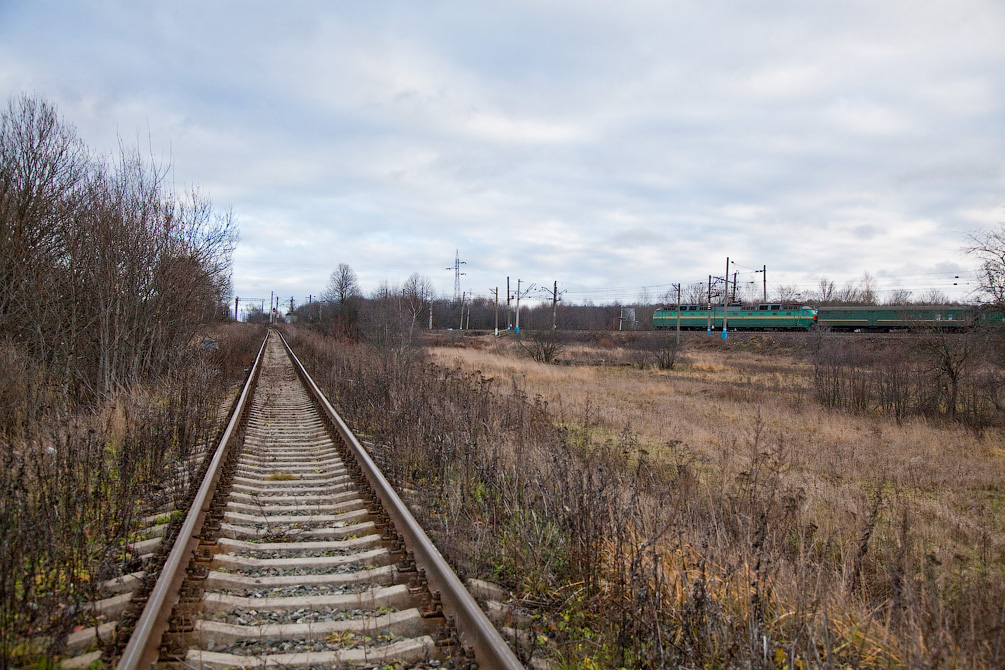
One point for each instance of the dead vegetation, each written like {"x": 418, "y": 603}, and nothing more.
{"x": 713, "y": 516}
{"x": 109, "y": 280}
{"x": 75, "y": 481}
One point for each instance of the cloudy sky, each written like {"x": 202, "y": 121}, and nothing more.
{"x": 608, "y": 146}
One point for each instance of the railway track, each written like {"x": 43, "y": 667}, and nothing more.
{"x": 298, "y": 554}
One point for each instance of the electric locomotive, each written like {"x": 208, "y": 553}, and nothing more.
{"x": 767, "y": 316}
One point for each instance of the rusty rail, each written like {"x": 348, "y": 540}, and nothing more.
{"x": 144, "y": 643}
{"x": 475, "y": 629}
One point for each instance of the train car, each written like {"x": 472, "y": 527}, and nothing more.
{"x": 768, "y": 316}
{"x": 887, "y": 318}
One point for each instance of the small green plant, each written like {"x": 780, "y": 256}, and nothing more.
{"x": 343, "y": 638}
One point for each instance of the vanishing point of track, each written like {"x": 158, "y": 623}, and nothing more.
{"x": 298, "y": 554}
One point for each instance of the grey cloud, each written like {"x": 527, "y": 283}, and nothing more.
{"x": 596, "y": 144}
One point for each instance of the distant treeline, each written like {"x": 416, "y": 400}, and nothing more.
{"x": 344, "y": 310}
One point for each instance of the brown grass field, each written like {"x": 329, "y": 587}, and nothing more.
{"x": 916, "y": 505}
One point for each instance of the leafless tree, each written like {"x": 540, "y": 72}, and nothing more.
{"x": 105, "y": 274}
{"x": 868, "y": 289}
{"x": 103, "y": 269}
{"x": 417, "y": 294}
{"x": 342, "y": 299}
{"x": 951, "y": 356}
{"x": 825, "y": 291}
{"x": 343, "y": 285}
{"x": 42, "y": 167}
{"x": 645, "y": 307}
{"x": 787, "y": 293}
{"x": 989, "y": 248}
{"x": 695, "y": 293}
{"x": 900, "y": 296}
{"x": 933, "y": 296}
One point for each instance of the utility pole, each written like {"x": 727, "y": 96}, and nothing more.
{"x": 520, "y": 294}
{"x": 765, "y": 271}
{"x": 678, "y": 312}
{"x": 555, "y": 297}
{"x": 462, "y": 311}
{"x": 496, "y": 293}
{"x": 430, "y": 312}
{"x": 291, "y": 308}
{"x": 725, "y": 301}
{"x": 517, "y": 306}
{"x": 237, "y": 301}
{"x": 734, "y": 286}
{"x": 272, "y": 311}
{"x": 709, "y": 306}
{"x": 509, "y": 313}
{"x": 554, "y": 306}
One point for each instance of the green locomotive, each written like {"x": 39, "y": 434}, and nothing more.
{"x": 768, "y": 316}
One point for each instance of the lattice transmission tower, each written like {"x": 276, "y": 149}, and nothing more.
{"x": 457, "y": 274}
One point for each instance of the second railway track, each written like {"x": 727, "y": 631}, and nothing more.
{"x": 299, "y": 555}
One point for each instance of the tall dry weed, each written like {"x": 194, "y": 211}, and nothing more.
{"x": 74, "y": 482}
{"x": 663, "y": 520}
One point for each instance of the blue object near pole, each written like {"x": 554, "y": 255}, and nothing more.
{"x": 724, "y": 334}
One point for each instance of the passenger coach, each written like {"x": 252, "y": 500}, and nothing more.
{"x": 873, "y": 319}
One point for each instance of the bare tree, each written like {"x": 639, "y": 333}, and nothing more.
{"x": 825, "y": 291}
{"x": 42, "y": 166}
{"x": 103, "y": 269}
{"x": 951, "y": 356}
{"x": 900, "y": 296}
{"x": 933, "y": 296}
{"x": 417, "y": 294}
{"x": 989, "y": 248}
{"x": 863, "y": 293}
{"x": 695, "y": 292}
{"x": 342, "y": 301}
{"x": 645, "y": 307}
{"x": 868, "y": 289}
{"x": 787, "y": 293}
{"x": 343, "y": 285}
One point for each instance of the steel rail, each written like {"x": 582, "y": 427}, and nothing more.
{"x": 475, "y": 629}
{"x": 144, "y": 644}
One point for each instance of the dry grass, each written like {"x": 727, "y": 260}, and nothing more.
{"x": 87, "y": 475}
{"x": 713, "y": 516}
{"x": 726, "y": 410}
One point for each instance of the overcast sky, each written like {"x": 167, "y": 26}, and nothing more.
{"x": 609, "y": 146}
